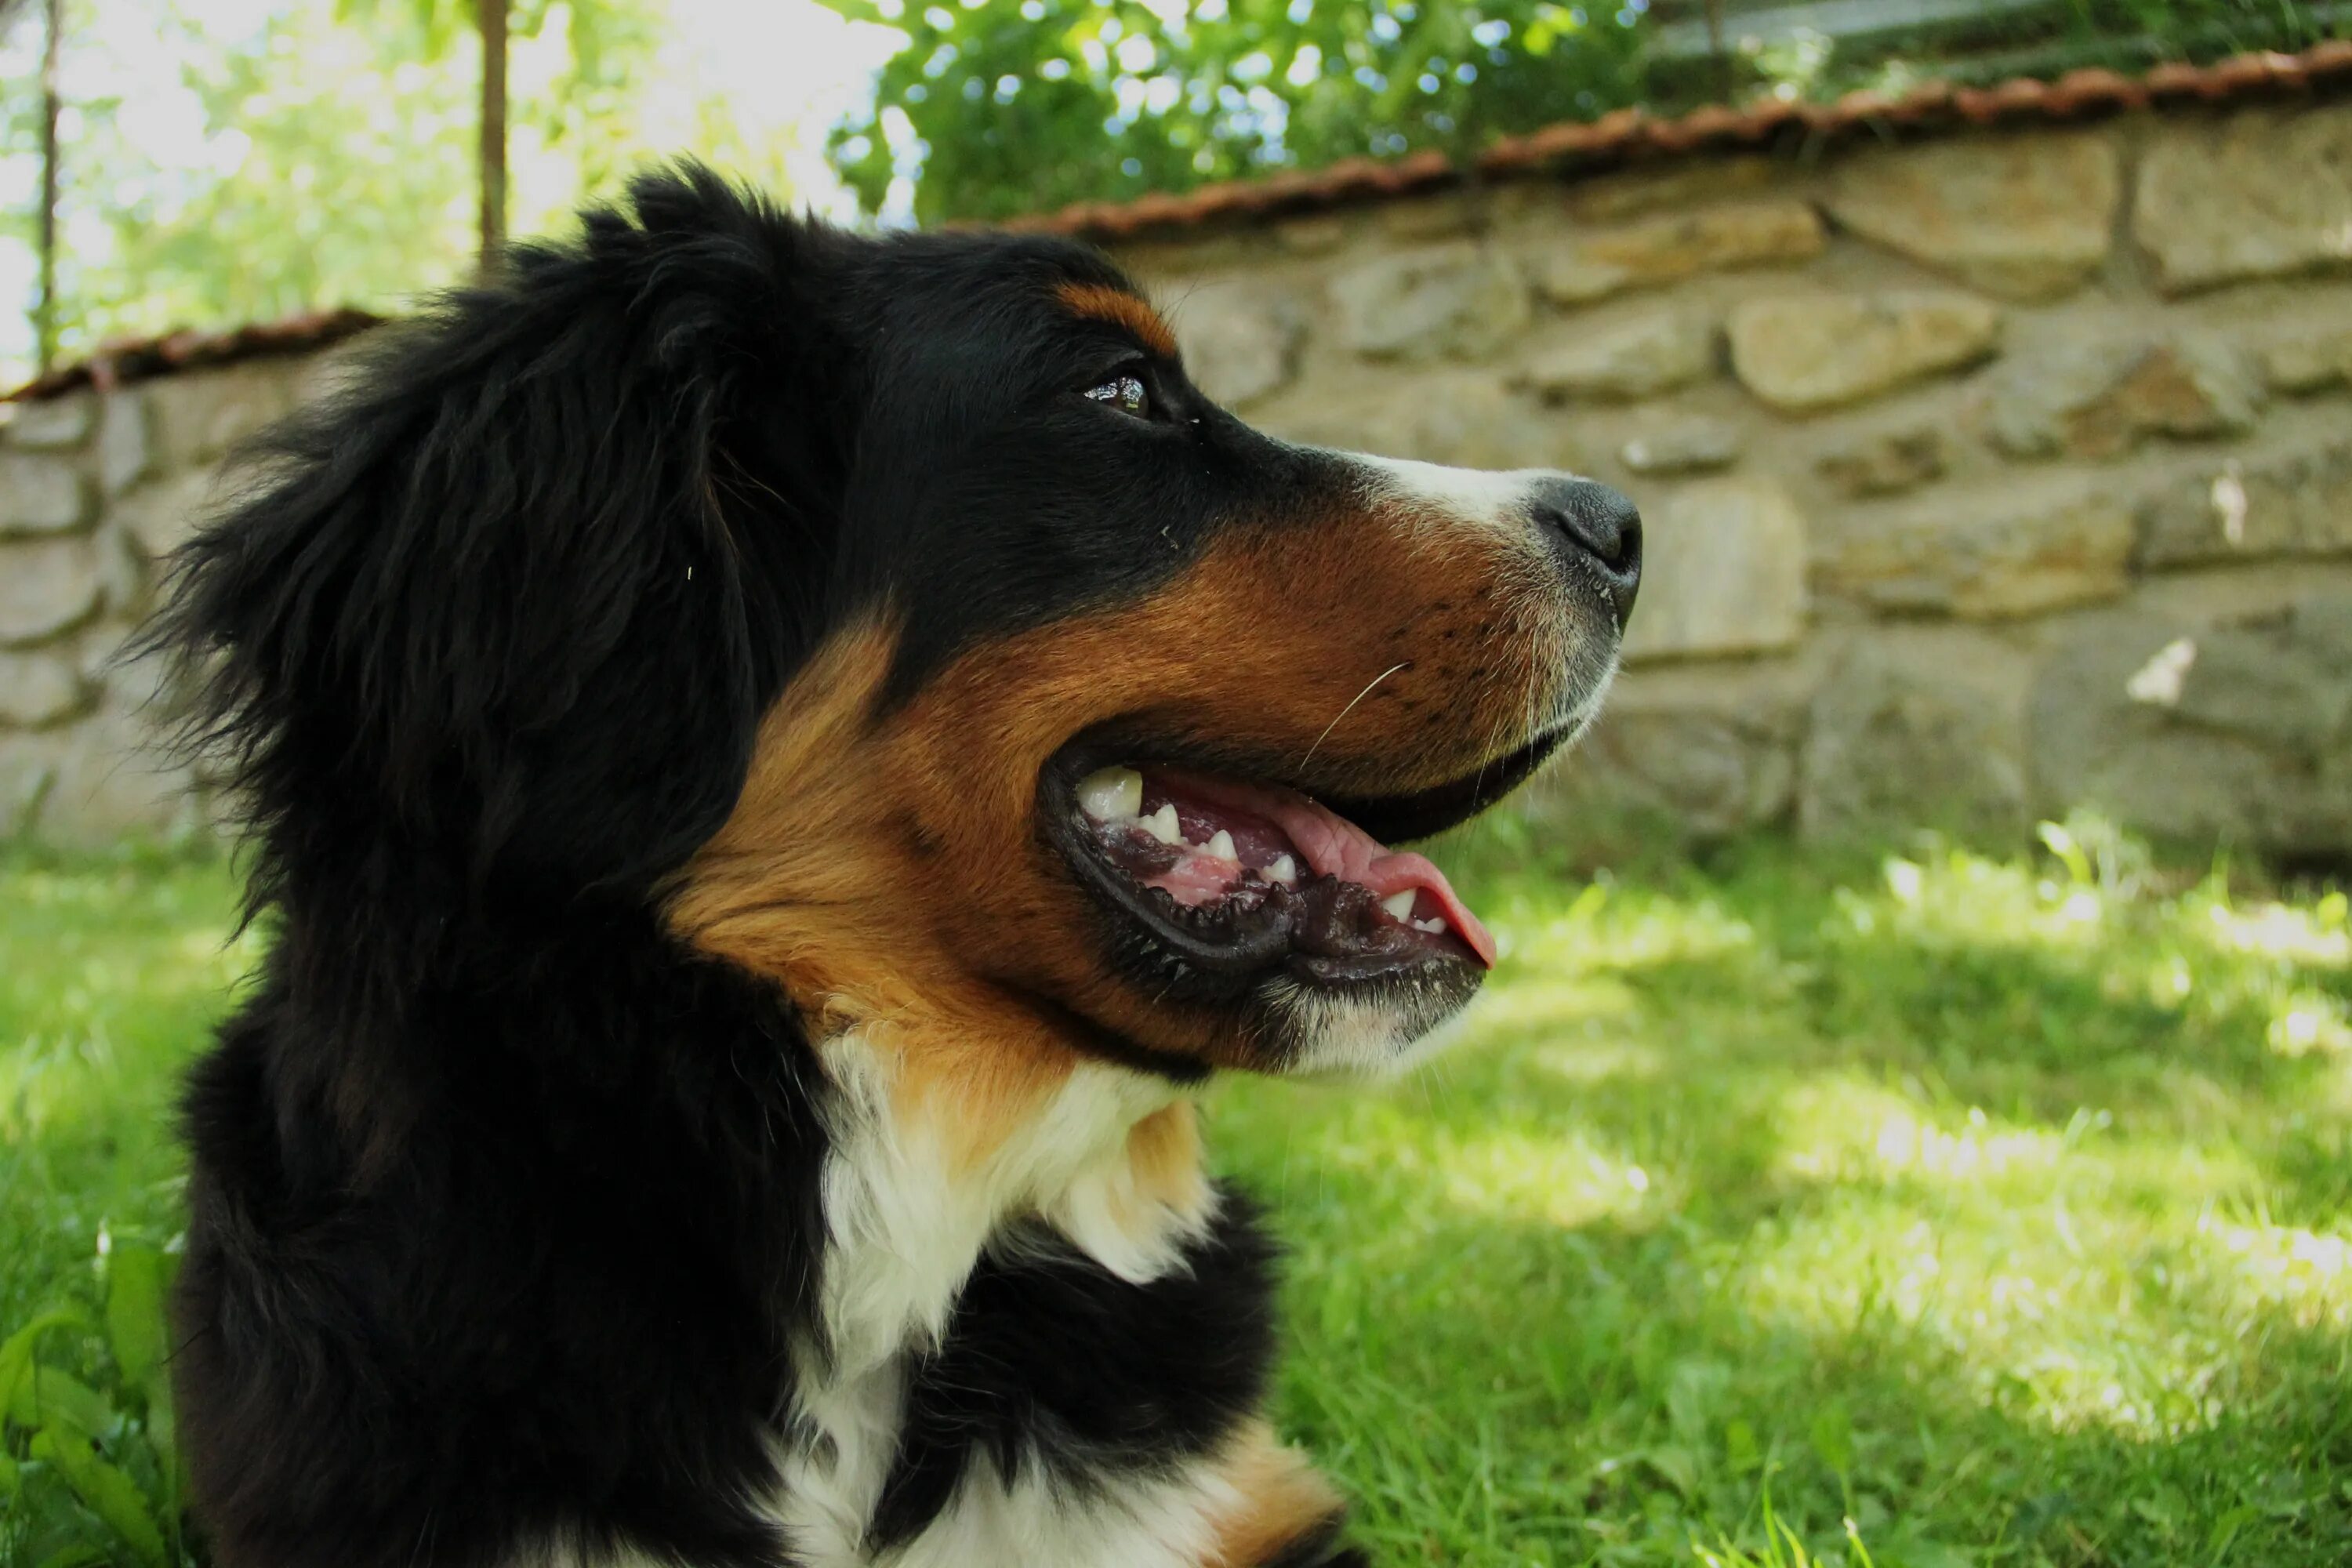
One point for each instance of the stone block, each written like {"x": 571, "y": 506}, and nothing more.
{"x": 1635, "y": 354}
{"x": 1724, "y": 566}
{"x": 94, "y": 783}
{"x": 1887, "y": 462}
{"x": 1700, "y": 749}
{"x": 37, "y": 690}
{"x": 1916, "y": 726}
{"x": 2246, "y": 508}
{"x": 329, "y": 372}
{"x": 1316, "y": 234}
{"x": 2261, "y": 194}
{"x": 1695, "y": 446}
{"x": 1804, "y": 352}
{"x": 1711, "y": 774}
{"x": 1241, "y": 341}
{"x": 1677, "y": 186}
{"x": 1463, "y": 417}
{"x": 47, "y": 587}
{"x": 2027, "y": 217}
{"x": 1983, "y": 554}
{"x": 53, "y": 423}
{"x": 2305, "y": 361}
{"x": 2224, "y": 727}
{"x": 1585, "y": 265}
{"x": 201, "y": 416}
{"x": 126, "y": 448}
{"x": 42, "y": 492}
{"x": 1456, "y": 300}
{"x": 160, "y": 515}
{"x": 2099, "y": 397}
{"x": 1440, "y": 215}
{"x": 126, "y": 581}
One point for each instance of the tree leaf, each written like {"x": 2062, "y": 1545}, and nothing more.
{"x": 104, "y": 1490}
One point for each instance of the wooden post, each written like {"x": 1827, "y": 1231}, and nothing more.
{"x": 45, "y": 313}
{"x": 491, "y": 18}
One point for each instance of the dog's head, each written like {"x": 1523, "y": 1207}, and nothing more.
{"x": 896, "y": 617}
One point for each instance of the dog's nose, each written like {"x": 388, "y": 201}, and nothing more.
{"x": 1601, "y": 526}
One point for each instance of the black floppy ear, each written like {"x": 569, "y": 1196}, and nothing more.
{"x": 509, "y": 609}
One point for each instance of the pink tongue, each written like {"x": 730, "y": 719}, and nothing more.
{"x": 1334, "y": 847}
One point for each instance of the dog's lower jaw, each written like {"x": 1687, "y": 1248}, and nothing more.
{"x": 1093, "y": 1173}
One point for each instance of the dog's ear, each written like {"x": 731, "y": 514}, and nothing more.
{"x": 509, "y": 608}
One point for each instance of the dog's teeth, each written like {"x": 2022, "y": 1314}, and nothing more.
{"x": 1111, "y": 794}
{"x": 1433, "y": 926}
{"x": 1282, "y": 869}
{"x": 1221, "y": 845}
{"x": 1399, "y": 905}
{"x": 1162, "y": 824}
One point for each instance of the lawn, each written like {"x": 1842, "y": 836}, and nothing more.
{"x": 1912, "y": 1209}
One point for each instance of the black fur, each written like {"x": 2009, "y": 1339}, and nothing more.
{"x": 1050, "y": 1359}
{"x": 504, "y": 1205}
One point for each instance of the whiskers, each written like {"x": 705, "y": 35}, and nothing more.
{"x": 1350, "y": 708}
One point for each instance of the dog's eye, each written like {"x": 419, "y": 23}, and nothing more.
{"x": 1125, "y": 393}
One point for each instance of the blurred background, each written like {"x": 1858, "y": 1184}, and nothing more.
{"x": 1910, "y": 1125}
{"x": 225, "y": 162}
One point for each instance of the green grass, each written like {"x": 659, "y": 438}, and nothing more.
{"x": 1811, "y": 1207}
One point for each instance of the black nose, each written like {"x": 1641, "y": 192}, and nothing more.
{"x": 1598, "y": 529}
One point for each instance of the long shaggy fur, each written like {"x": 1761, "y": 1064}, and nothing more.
{"x": 594, "y": 887}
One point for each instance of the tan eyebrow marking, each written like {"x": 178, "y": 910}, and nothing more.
{"x": 1100, "y": 302}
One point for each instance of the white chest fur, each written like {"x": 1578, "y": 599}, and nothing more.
{"x": 907, "y": 1220}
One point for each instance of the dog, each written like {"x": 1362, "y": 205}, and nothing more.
{"x": 774, "y": 761}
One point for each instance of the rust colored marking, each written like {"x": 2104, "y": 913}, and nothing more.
{"x": 1099, "y": 302}
{"x": 1283, "y": 1499}
{"x": 884, "y": 866}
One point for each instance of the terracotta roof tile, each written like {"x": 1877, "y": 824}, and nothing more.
{"x": 1613, "y": 138}
{"x": 125, "y": 360}
{"x": 1629, "y": 133}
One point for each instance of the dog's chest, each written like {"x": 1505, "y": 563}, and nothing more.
{"x": 907, "y": 1217}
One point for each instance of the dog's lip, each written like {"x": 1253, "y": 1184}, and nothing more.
{"x": 1422, "y": 814}
{"x": 1266, "y": 943}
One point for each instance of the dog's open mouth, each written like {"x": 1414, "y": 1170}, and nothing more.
{"x": 1218, "y": 851}
{"x": 1239, "y": 877}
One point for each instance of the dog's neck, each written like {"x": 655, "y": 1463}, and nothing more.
{"x": 939, "y": 1155}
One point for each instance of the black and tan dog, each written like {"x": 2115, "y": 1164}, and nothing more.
{"x": 777, "y": 758}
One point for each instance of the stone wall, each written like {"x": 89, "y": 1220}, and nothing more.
{"x": 1984, "y": 475}
{"x": 95, "y": 490}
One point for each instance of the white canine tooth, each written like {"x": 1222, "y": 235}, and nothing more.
{"x": 1221, "y": 845}
{"x": 1162, "y": 824}
{"x": 1282, "y": 869}
{"x": 1110, "y": 794}
{"x": 1399, "y": 905}
{"x": 1433, "y": 926}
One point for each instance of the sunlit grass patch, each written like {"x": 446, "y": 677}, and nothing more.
{"x": 1986, "y": 1203}
{"x": 1886, "y": 1209}
{"x": 112, "y": 968}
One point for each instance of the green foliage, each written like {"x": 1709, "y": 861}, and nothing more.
{"x": 221, "y": 174}
{"x": 88, "y": 1472}
{"x": 995, "y": 107}
{"x": 1021, "y": 106}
